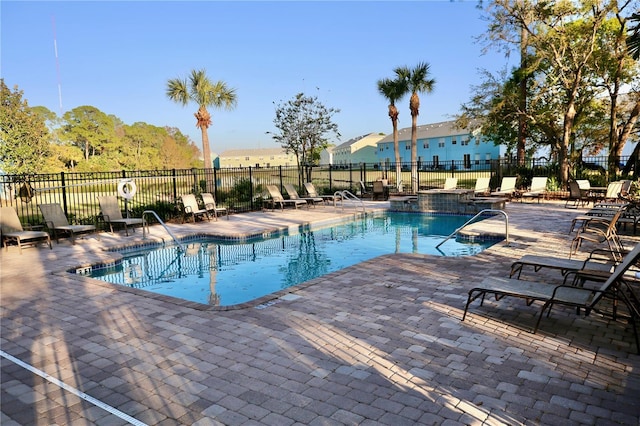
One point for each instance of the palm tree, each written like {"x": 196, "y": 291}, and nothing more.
{"x": 633, "y": 40}
{"x": 417, "y": 81}
{"x": 201, "y": 90}
{"x": 393, "y": 91}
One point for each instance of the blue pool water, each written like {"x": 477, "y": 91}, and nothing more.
{"x": 223, "y": 273}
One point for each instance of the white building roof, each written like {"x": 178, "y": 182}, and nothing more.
{"x": 427, "y": 131}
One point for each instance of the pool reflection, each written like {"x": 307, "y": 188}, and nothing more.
{"x": 224, "y": 274}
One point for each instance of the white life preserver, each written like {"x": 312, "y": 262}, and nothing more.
{"x": 127, "y": 188}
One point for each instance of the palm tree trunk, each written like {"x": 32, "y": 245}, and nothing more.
{"x": 414, "y": 106}
{"x": 414, "y": 153}
{"x": 396, "y": 149}
{"x": 206, "y": 154}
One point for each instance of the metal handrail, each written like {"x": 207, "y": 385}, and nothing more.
{"x": 506, "y": 223}
{"x": 349, "y": 196}
{"x": 178, "y": 243}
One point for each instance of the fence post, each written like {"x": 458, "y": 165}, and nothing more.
{"x": 453, "y": 168}
{"x": 64, "y": 195}
{"x": 215, "y": 183}
{"x": 350, "y": 176}
{"x": 280, "y": 175}
{"x": 363, "y": 173}
{"x": 330, "y": 178}
{"x": 175, "y": 184}
{"x": 250, "y": 189}
{"x": 194, "y": 173}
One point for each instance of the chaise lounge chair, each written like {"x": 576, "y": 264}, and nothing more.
{"x": 12, "y": 231}
{"x": 311, "y": 190}
{"x": 112, "y": 215}
{"x": 210, "y": 205}
{"x": 507, "y": 187}
{"x": 538, "y": 189}
{"x": 57, "y": 222}
{"x": 277, "y": 198}
{"x": 293, "y": 194}
{"x": 450, "y": 183}
{"x": 578, "y": 197}
{"x": 191, "y": 207}
{"x": 380, "y": 190}
{"x": 550, "y": 294}
{"x": 598, "y": 260}
{"x": 615, "y": 192}
{"x": 599, "y": 230}
{"x": 482, "y": 186}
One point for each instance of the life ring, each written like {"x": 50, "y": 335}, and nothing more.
{"x": 127, "y": 188}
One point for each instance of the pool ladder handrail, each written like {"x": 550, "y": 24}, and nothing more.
{"x": 347, "y": 195}
{"x": 164, "y": 225}
{"x": 506, "y": 224}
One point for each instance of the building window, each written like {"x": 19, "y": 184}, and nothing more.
{"x": 464, "y": 142}
{"x": 436, "y": 162}
{"x": 425, "y": 145}
{"x": 246, "y": 158}
{"x": 407, "y": 147}
{"x": 467, "y": 161}
{"x": 487, "y": 159}
{"x": 454, "y": 141}
{"x": 441, "y": 144}
{"x": 476, "y": 159}
{"x": 477, "y": 141}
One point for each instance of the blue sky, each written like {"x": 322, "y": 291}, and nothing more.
{"x": 118, "y": 56}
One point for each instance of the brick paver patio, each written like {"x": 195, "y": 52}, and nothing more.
{"x": 381, "y": 342}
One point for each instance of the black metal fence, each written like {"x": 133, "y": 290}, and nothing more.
{"x": 243, "y": 189}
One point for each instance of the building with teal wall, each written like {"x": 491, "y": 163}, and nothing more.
{"x": 438, "y": 145}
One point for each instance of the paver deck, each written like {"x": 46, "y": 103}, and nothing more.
{"x": 380, "y": 342}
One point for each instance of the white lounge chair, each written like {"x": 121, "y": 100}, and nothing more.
{"x": 482, "y": 186}
{"x": 311, "y": 190}
{"x": 210, "y": 204}
{"x": 277, "y": 198}
{"x": 192, "y": 208}
{"x": 538, "y": 189}
{"x": 507, "y": 187}
{"x": 450, "y": 183}
{"x": 293, "y": 194}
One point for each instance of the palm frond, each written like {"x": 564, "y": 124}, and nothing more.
{"x": 633, "y": 39}
{"x": 177, "y": 91}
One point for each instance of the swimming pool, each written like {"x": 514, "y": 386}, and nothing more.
{"x": 223, "y": 273}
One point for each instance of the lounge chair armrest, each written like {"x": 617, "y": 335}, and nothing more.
{"x": 582, "y": 276}
{"x": 592, "y": 230}
{"x": 573, "y": 288}
{"x": 605, "y": 254}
